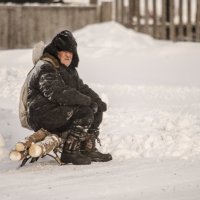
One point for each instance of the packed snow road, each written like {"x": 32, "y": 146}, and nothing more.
{"x": 134, "y": 179}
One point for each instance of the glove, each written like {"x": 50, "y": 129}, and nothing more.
{"x": 101, "y": 105}
{"x": 94, "y": 106}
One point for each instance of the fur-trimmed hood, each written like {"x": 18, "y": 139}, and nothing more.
{"x": 63, "y": 41}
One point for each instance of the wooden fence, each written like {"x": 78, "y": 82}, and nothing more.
{"x": 21, "y": 26}
{"x": 163, "y": 19}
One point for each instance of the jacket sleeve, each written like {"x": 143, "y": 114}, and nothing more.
{"x": 86, "y": 90}
{"x": 52, "y": 86}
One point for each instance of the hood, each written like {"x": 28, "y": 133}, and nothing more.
{"x": 63, "y": 41}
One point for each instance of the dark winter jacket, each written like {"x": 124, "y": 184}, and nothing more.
{"x": 51, "y": 84}
{"x": 54, "y": 90}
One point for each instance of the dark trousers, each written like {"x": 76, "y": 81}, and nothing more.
{"x": 55, "y": 120}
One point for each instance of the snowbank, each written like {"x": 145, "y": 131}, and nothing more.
{"x": 151, "y": 121}
{"x": 116, "y": 38}
{"x": 114, "y": 54}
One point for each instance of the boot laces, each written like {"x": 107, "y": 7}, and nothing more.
{"x": 95, "y": 133}
{"x": 98, "y": 141}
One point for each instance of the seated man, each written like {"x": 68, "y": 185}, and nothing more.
{"x": 59, "y": 101}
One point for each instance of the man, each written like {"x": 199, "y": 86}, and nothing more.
{"x": 59, "y": 101}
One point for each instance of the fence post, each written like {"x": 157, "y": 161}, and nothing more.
{"x": 94, "y": 2}
{"x": 146, "y": 6}
{"x": 155, "y": 25}
{"x": 189, "y": 25}
{"x": 197, "y": 22}
{"x": 180, "y": 28}
{"x": 138, "y": 15}
{"x": 130, "y": 12}
{"x": 119, "y": 10}
{"x": 164, "y": 17}
{"x": 133, "y": 13}
{"x": 167, "y": 6}
{"x": 106, "y": 11}
{"x": 172, "y": 26}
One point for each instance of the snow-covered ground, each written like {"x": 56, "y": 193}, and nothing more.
{"x": 152, "y": 126}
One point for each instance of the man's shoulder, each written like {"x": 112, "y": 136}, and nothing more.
{"x": 41, "y": 67}
{"x": 48, "y": 60}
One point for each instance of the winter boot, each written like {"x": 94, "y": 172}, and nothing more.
{"x": 71, "y": 149}
{"x": 89, "y": 149}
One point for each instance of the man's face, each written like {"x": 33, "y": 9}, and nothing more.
{"x": 65, "y": 57}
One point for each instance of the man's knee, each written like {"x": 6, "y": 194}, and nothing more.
{"x": 83, "y": 116}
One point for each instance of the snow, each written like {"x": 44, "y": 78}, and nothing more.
{"x": 152, "y": 126}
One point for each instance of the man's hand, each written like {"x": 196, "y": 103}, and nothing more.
{"x": 101, "y": 105}
{"x": 94, "y": 106}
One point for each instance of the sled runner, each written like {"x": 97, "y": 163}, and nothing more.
{"x": 38, "y": 145}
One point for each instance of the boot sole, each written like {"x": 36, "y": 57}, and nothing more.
{"x": 100, "y": 160}
{"x": 74, "y": 163}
